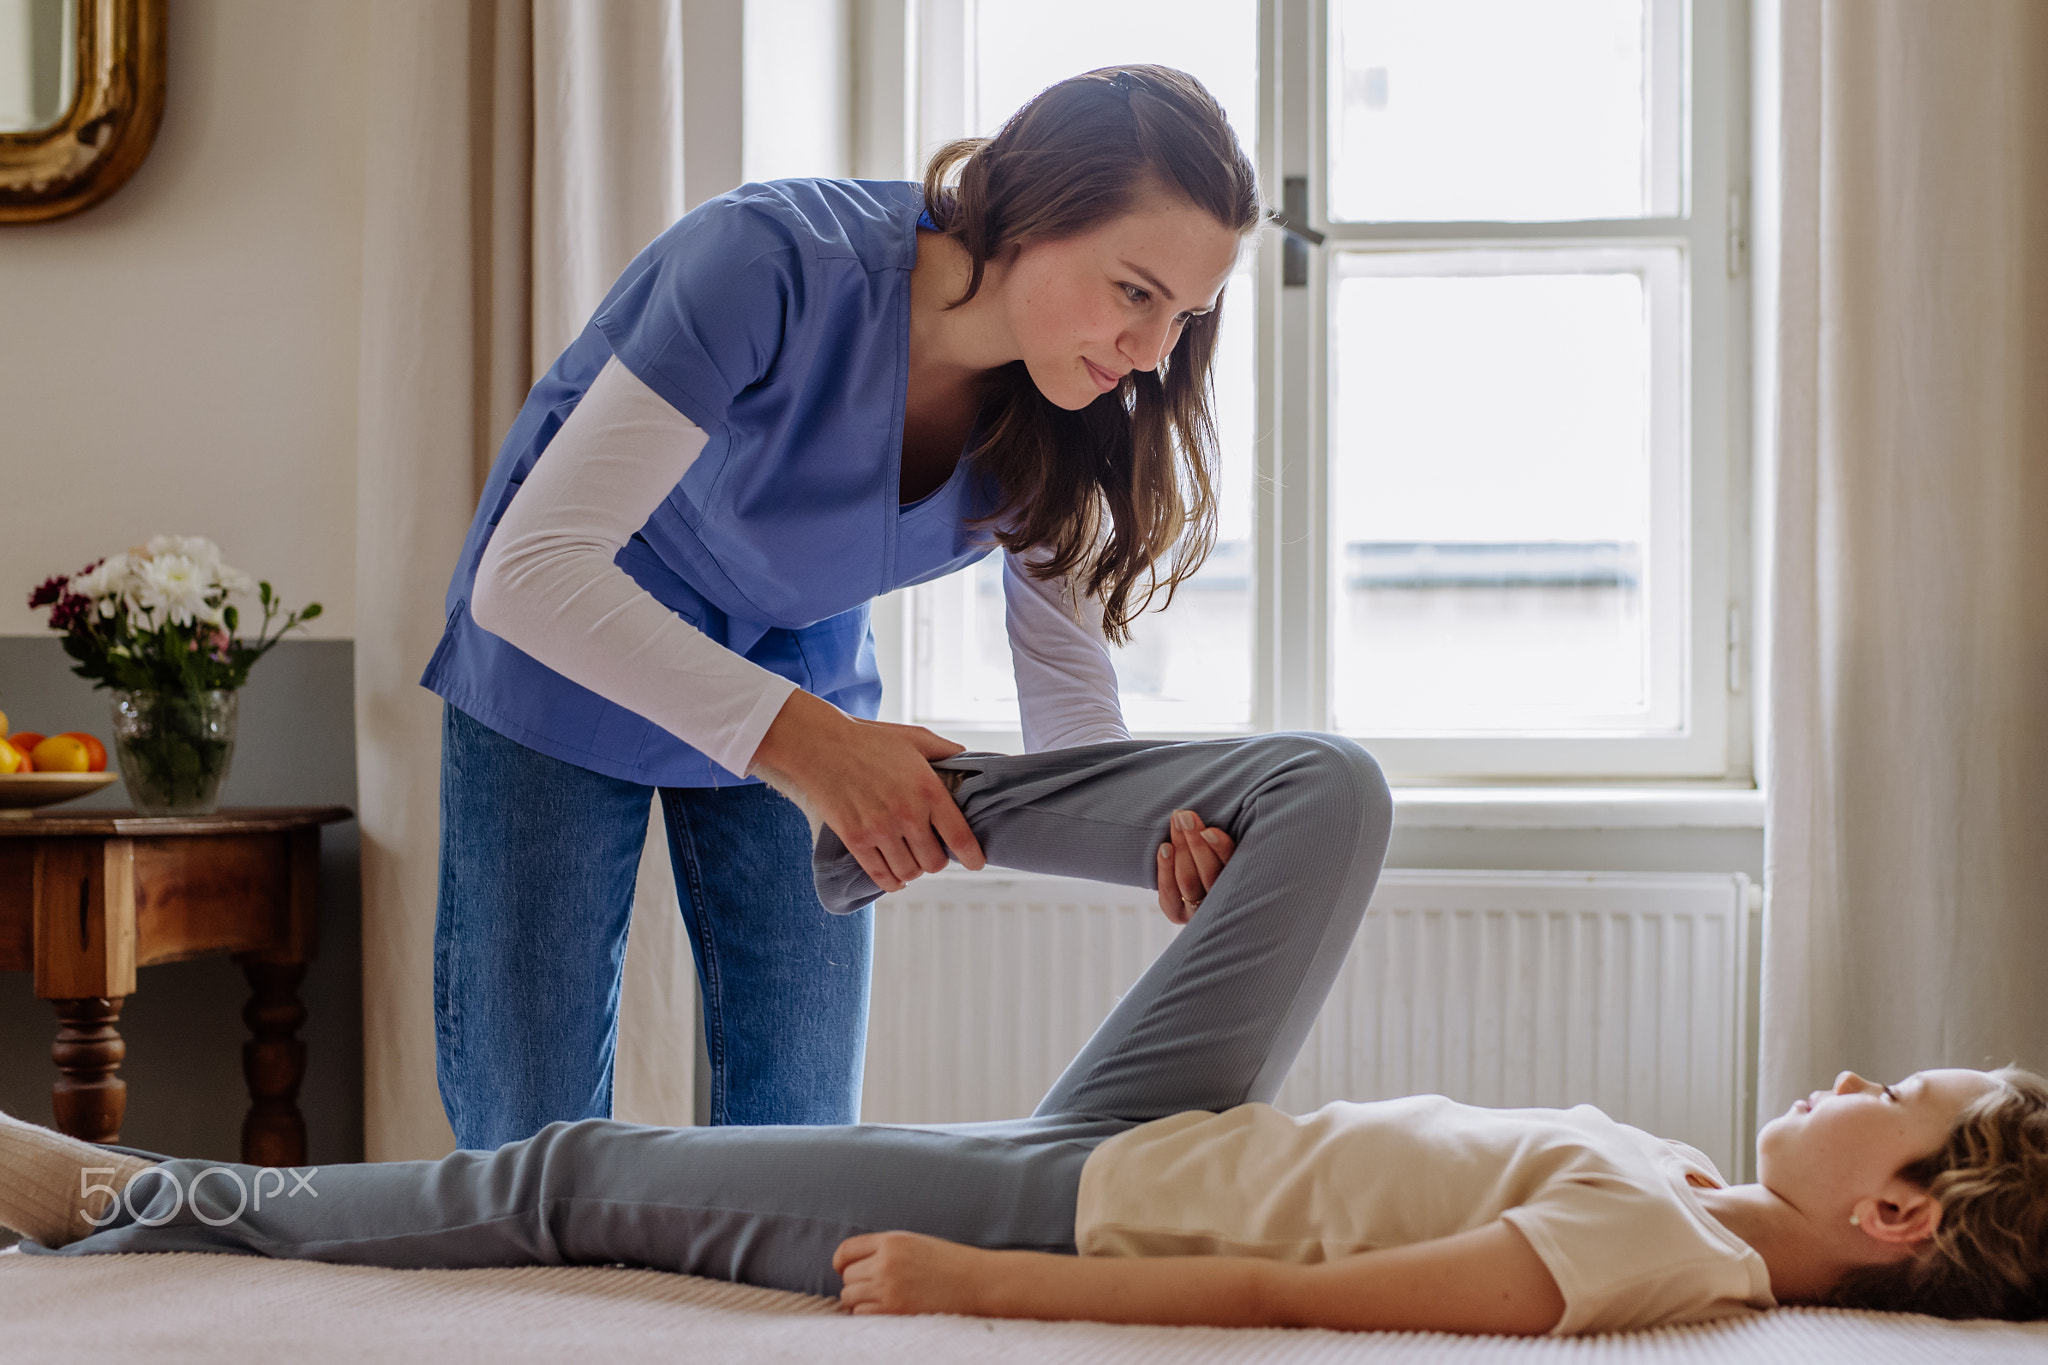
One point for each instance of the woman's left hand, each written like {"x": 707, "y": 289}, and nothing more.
{"x": 907, "y": 1272}
{"x": 1189, "y": 864}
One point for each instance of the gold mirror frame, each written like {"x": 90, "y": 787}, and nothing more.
{"x": 90, "y": 152}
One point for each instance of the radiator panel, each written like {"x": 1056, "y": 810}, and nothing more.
{"x": 1546, "y": 989}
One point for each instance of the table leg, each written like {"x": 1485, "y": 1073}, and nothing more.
{"x": 90, "y": 1100}
{"x": 274, "y": 1062}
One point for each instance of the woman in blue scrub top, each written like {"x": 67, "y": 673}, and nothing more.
{"x": 801, "y": 396}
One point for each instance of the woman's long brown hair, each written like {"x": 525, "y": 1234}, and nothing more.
{"x": 1108, "y": 490}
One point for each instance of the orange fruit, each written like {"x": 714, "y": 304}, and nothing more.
{"x": 25, "y": 740}
{"x": 61, "y": 754}
{"x": 13, "y": 760}
{"x": 93, "y": 748}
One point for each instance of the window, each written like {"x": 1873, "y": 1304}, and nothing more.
{"x": 1478, "y": 442}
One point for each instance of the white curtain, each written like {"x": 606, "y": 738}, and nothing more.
{"x": 608, "y": 151}
{"x": 1907, "y": 851}
{"x": 518, "y": 153}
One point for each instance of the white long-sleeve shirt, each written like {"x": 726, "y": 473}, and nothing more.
{"x": 549, "y": 585}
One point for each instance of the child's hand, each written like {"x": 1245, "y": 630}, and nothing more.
{"x": 1189, "y": 864}
{"x": 907, "y": 1272}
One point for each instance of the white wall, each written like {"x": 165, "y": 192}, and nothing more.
{"x": 182, "y": 357}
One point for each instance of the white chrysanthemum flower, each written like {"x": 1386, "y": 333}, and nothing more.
{"x": 107, "y": 582}
{"x": 220, "y": 578}
{"x": 198, "y": 549}
{"x": 234, "y": 580}
{"x": 174, "y": 587}
{"x": 212, "y": 614}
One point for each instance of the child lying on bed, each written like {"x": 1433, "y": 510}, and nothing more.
{"x": 1157, "y": 1156}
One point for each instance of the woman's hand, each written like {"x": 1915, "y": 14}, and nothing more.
{"x": 908, "y": 1272}
{"x": 873, "y": 783}
{"x": 1189, "y": 864}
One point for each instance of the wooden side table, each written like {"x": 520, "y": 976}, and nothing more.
{"x": 85, "y": 899}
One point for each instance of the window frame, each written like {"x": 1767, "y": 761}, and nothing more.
{"x": 1292, "y": 623}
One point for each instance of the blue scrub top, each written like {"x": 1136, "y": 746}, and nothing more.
{"x": 776, "y": 318}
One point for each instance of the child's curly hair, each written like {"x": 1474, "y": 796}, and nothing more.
{"x": 1989, "y": 1256}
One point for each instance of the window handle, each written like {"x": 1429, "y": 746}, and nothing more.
{"x": 1292, "y": 217}
{"x": 1297, "y": 229}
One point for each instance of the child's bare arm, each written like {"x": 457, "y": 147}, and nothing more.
{"x": 1486, "y": 1280}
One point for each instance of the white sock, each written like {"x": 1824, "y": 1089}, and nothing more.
{"x": 43, "y": 1179}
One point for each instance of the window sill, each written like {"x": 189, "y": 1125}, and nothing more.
{"x": 1577, "y": 808}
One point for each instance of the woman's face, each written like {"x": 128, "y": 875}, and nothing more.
{"x": 1086, "y": 310}
{"x": 1835, "y": 1147}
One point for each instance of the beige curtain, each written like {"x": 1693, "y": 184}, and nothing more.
{"x": 607, "y": 177}
{"x": 1908, "y": 839}
{"x": 518, "y": 153}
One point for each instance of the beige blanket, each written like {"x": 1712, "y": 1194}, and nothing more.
{"x": 225, "y": 1310}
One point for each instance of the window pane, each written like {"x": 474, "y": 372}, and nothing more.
{"x": 1504, "y": 110}
{"x": 961, "y": 675}
{"x": 1189, "y": 667}
{"x": 1503, "y": 490}
{"x": 1022, "y": 46}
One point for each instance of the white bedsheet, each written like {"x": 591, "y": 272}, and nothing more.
{"x": 226, "y": 1310}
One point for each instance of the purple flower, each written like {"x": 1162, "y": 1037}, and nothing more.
{"x": 71, "y": 609}
{"x": 50, "y": 590}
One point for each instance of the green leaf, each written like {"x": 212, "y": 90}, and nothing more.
{"x": 310, "y": 612}
{"x": 233, "y": 619}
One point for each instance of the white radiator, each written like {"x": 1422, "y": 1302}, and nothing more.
{"x": 1624, "y": 990}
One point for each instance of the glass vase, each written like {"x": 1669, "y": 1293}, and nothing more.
{"x": 174, "y": 748}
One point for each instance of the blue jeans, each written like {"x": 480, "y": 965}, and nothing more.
{"x": 538, "y": 863}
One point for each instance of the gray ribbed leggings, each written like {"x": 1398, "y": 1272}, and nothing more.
{"x": 1214, "y": 1022}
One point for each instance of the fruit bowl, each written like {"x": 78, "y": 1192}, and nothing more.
{"x": 21, "y": 793}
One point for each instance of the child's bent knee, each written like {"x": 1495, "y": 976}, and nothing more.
{"x": 1342, "y": 783}
{"x": 1331, "y": 761}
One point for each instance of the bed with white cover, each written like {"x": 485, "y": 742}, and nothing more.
{"x": 227, "y": 1310}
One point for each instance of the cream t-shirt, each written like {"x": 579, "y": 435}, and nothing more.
{"x": 1607, "y": 1207}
